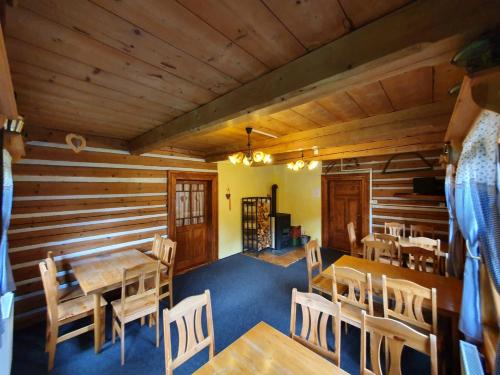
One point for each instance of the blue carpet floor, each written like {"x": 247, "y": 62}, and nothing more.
{"x": 244, "y": 292}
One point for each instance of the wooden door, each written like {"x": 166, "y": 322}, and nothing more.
{"x": 191, "y": 223}
{"x": 192, "y": 220}
{"x": 345, "y": 200}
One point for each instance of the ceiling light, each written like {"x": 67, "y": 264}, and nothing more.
{"x": 250, "y": 156}
{"x": 301, "y": 163}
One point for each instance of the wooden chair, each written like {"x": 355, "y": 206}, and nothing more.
{"x": 138, "y": 305}
{"x": 359, "y": 296}
{"x": 392, "y": 252}
{"x": 356, "y": 250}
{"x": 64, "y": 294}
{"x": 187, "y": 314}
{"x": 316, "y": 311}
{"x": 315, "y": 263}
{"x": 373, "y": 250}
{"x": 436, "y": 246}
{"x": 396, "y": 335}
{"x": 420, "y": 259}
{"x": 62, "y": 313}
{"x": 421, "y": 231}
{"x": 407, "y": 307}
{"x": 395, "y": 229}
{"x": 164, "y": 250}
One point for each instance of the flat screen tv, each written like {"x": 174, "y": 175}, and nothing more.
{"x": 428, "y": 186}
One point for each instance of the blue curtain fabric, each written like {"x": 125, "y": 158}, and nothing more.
{"x": 476, "y": 200}
{"x": 6, "y": 279}
{"x": 455, "y": 265}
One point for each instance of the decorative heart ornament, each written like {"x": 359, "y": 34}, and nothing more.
{"x": 76, "y": 142}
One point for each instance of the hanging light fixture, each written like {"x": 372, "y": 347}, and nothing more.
{"x": 301, "y": 164}
{"x": 250, "y": 156}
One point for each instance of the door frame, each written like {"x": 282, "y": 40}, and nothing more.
{"x": 212, "y": 212}
{"x": 365, "y": 202}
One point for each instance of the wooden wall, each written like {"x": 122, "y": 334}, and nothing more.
{"x": 76, "y": 205}
{"x": 386, "y": 205}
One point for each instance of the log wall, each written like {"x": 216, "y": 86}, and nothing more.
{"x": 77, "y": 205}
{"x": 387, "y": 204}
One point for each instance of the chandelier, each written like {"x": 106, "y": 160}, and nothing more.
{"x": 250, "y": 156}
{"x": 301, "y": 164}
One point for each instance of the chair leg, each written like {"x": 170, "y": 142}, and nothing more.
{"x": 113, "y": 330}
{"x": 122, "y": 342}
{"x": 52, "y": 347}
{"x": 143, "y": 320}
{"x": 103, "y": 326}
{"x": 157, "y": 318}
{"x": 171, "y": 294}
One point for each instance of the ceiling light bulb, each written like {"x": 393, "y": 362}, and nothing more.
{"x": 247, "y": 161}
{"x": 236, "y": 158}
{"x": 300, "y": 164}
{"x": 258, "y": 156}
{"x": 312, "y": 164}
{"x": 268, "y": 159}
{"x": 290, "y": 165}
{"x": 296, "y": 167}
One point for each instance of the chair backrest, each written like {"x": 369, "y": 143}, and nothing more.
{"x": 420, "y": 258}
{"x": 374, "y": 249}
{"x": 187, "y": 314}
{"x": 156, "y": 249}
{"x": 50, "y": 288}
{"x": 421, "y": 231}
{"x": 351, "y": 234}
{"x": 139, "y": 274}
{"x": 313, "y": 259}
{"x": 316, "y": 311}
{"x": 397, "y": 335}
{"x": 395, "y": 229}
{"x": 408, "y": 298}
{"x": 168, "y": 255}
{"x": 392, "y": 241}
{"x": 360, "y": 292}
{"x": 51, "y": 265}
{"x": 427, "y": 242}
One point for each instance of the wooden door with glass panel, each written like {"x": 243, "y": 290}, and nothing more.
{"x": 191, "y": 225}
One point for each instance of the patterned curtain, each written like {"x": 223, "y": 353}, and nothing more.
{"x": 476, "y": 199}
{"x": 455, "y": 265}
{"x": 6, "y": 279}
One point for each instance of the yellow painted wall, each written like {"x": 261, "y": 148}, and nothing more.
{"x": 299, "y": 193}
{"x": 242, "y": 182}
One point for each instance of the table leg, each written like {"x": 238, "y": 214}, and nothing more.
{"x": 97, "y": 322}
{"x": 455, "y": 338}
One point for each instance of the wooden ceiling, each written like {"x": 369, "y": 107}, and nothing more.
{"x": 121, "y": 68}
{"x": 415, "y": 88}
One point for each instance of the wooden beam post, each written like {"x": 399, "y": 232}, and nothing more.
{"x": 421, "y": 34}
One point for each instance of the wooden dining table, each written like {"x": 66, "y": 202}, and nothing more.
{"x": 99, "y": 274}
{"x": 265, "y": 350}
{"x": 448, "y": 289}
{"x": 403, "y": 242}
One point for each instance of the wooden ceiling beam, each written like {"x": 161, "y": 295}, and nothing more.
{"x": 8, "y": 105}
{"x": 423, "y": 33}
{"x": 410, "y": 121}
{"x": 417, "y": 143}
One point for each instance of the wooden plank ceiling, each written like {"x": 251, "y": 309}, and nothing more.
{"x": 120, "y": 68}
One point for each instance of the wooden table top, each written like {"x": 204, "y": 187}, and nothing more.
{"x": 449, "y": 289}
{"x": 104, "y": 272}
{"x": 265, "y": 350}
{"x": 403, "y": 241}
